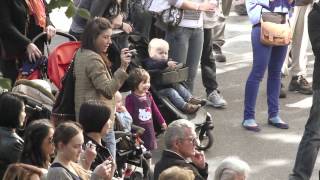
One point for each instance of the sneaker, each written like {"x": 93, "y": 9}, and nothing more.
{"x": 190, "y": 108}
{"x": 218, "y": 56}
{"x": 283, "y": 93}
{"x": 216, "y": 100}
{"x": 197, "y": 101}
{"x": 300, "y": 84}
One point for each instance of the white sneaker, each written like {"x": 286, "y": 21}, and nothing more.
{"x": 216, "y": 100}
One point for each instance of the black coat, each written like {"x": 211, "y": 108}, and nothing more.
{"x": 17, "y": 28}
{"x": 11, "y": 146}
{"x": 314, "y": 35}
{"x": 169, "y": 159}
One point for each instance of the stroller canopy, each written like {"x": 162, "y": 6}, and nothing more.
{"x": 60, "y": 59}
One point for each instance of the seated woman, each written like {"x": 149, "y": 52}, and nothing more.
{"x": 68, "y": 140}
{"x": 95, "y": 128}
{"x": 177, "y": 93}
{"x": 38, "y": 144}
{"x": 12, "y": 112}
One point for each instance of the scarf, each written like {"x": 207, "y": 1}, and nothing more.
{"x": 37, "y": 9}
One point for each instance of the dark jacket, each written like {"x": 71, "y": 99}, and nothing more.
{"x": 11, "y": 146}
{"x": 102, "y": 152}
{"x": 15, "y": 24}
{"x": 170, "y": 158}
{"x": 314, "y": 35}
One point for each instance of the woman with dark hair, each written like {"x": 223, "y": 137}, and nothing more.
{"x": 92, "y": 69}
{"x": 12, "y": 112}
{"x": 38, "y": 144}
{"x": 68, "y": 141}
{"x": 96, "y": 128}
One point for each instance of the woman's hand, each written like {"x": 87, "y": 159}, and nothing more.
{"x": 33, "y": 52}
{"x": 104, "y": 170}
{"x": 125, "y": 58}
{"x": 88, "y": 156}
{"x": 199, "y": 159}
{"x": 206, "y": 6}
{"x": 51, "y": 31}
{"x": 127, "y": 28}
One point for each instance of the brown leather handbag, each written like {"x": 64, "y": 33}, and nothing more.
{"x": 275, "y": 29}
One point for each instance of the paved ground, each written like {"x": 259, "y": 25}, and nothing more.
{"x": 271, "y": 152}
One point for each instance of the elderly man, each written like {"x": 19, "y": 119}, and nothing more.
{"x": 180, "y": 141}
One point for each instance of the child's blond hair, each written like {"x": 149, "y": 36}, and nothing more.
{"x": 156, "y": 43}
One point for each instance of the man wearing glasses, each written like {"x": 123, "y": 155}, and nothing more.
{"x": 180, "y": 141}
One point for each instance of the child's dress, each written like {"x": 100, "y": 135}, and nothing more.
{"x": 144, "y": 110}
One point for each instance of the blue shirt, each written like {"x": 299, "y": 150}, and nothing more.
{"x": 255, "y": 7}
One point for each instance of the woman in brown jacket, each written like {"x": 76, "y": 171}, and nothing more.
{"x": 92, "y": 67}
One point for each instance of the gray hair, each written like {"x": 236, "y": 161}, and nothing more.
{"x": 176, "y": 130}
{"x": 230, "y": 167}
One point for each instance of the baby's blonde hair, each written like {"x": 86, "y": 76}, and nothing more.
{"x": 157, "y": 43}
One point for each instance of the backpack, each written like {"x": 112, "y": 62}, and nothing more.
{"x": 63, "y": 108}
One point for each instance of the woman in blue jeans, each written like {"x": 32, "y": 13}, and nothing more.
{"x": 271, "y": 57}
{"x": 186, "y": 39}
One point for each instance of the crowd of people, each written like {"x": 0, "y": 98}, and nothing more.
{"x": 86, "y": 148}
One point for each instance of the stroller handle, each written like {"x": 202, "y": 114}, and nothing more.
{"x": 57, "y": 33}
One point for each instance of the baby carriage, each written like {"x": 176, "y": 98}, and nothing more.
{"x": 37, "y": 97}
{"x": 201, "y": 119}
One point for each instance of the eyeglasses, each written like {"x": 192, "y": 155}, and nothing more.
{"x": 193, "y": 140}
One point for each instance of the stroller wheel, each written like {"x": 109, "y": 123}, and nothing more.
{"x": 205, "y": 138}
{"x": 136, "y": 176}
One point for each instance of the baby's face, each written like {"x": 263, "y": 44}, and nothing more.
{"x": 160, "y": 54}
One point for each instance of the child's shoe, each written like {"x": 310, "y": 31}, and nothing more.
{"x": 197, "y": 101}
{"x": 190, "y": 108}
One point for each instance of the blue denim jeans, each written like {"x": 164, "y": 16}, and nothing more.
{"x": 310, "y": 143}
{"x": 186, "y": 47}
{"x": 178, "y": 95}
{"x": 271, "y": 57}
{"x": 110, "y": 141}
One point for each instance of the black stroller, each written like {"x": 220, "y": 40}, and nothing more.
{"x": 202, "y": 119}
{"x": 130, "y": 150}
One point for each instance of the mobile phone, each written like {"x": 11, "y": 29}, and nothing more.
{"x": 90, "y": 144}
{"x": 133, "y": 51}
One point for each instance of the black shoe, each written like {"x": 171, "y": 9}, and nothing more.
{"x": 283, "y": 93}
{"x": 217, "y": 53}
{"x": 300, "y": 84}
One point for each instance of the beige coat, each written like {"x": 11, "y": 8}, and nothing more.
{"x": 93, "y": 81}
